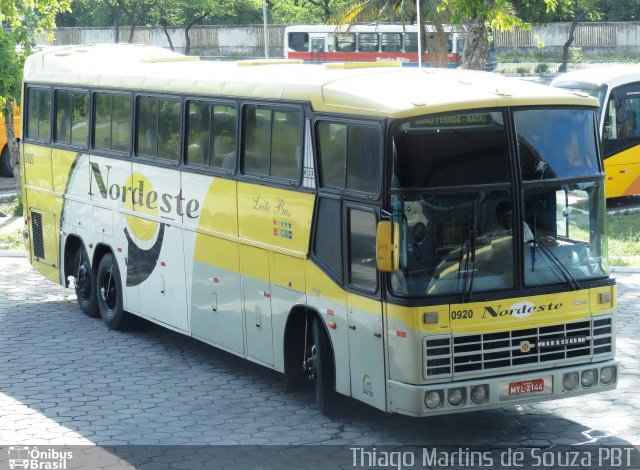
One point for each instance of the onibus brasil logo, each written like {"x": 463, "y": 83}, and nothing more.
{"x": 36, "y": 459}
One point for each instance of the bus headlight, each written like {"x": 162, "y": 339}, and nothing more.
{"x": 607, "y": 375}
{"x": 588, "y": 378}
{"x": 570, "y": 381}
{"x": 433, "y": 399}
{"x": 479, "y": 394}
{"x": 455, "y": 396}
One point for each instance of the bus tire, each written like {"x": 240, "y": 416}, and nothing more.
{"x": 85, "y": 283}
{"x": 109, "y": 293}
{"x": 6, "y": 168}
{"x": 320, "y": 369}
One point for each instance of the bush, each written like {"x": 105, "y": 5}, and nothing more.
{"x": 542, "y": 68}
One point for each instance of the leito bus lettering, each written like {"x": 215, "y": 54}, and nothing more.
{"x": 413, "y": 240}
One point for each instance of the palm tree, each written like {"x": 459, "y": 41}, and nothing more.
{"x": 373, "y": 11}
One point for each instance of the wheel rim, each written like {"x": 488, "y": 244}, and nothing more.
{"x": 311, "y": 365}
{"x": 109, "y": 292}
{"x": 83, "y": 282}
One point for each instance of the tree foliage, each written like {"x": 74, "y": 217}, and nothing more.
{"x": 21, "y": 19}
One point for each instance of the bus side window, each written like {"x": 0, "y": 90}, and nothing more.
{"x": 299, "y": 42}
{"x": 169, "y": 129}
{"x": 257, "y": 140}
{"x": 224, "y": 140}
{"x": 71, "y": 109}
{"x": 350, "y": 156}
{"x": 198, "y": 135}
{"x": 391, "y": 42}
{"x": 286, "y": 151}
{"x": 332, "y": 140}
{"x": 112, "y": 123}
{"x": 39, "y": 113}
{"x": 147, "y": 125}
{"x": 159, "y": 127}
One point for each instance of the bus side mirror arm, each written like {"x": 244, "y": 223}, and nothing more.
{"x": 387, "y": 249}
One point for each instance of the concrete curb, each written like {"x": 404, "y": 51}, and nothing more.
{"x": 12, "y": 254}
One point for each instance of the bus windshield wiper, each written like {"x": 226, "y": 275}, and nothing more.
{"x": 471, "y": 255}
{"x": 558, "y": 264}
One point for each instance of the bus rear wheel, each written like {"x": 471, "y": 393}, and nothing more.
{"x": 319, "y": 367}
{"x": 109, "y": 293}
{"x": 85, "y": 283}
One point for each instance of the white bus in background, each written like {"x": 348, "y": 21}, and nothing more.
{"x": 363, "y": 43}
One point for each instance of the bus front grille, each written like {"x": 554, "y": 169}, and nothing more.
{"x": 465, "y": 354}
{"x": 37, "y": 235}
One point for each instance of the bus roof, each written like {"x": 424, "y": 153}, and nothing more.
{"x": 394, "y": 92}
{"x": 596, "y": 77}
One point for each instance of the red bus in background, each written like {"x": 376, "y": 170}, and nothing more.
{"x": 363, "y": 43}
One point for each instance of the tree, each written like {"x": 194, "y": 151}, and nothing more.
{"x": 21, "y": 20}
{"x": 480, "y": 16}
{"x": 405, "y": 11}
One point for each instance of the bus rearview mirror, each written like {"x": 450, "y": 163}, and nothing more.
{"x": 387, "y": 251}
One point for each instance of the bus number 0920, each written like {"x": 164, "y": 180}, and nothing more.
{"x": 461, "y": 314}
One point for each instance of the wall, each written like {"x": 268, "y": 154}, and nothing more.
{"x": 248, "y": 40}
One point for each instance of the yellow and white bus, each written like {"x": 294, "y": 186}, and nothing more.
{"x": 618, "y": 90}
{"x": 424, "y": 241}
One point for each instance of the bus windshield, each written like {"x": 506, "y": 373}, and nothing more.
{"x": 463, "y": 229}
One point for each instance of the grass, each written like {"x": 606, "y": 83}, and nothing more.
{"x": 624, "y": 239}
{"x": 10, "y": 238}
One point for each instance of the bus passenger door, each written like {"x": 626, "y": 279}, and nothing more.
{"x": 364, "y": 314}
{"x": 256, "y": 287}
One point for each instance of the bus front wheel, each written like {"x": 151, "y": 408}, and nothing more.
{"x": 85, "y": 283}
{"x": 109, "y": 292}
{"x": 319, "y": 367}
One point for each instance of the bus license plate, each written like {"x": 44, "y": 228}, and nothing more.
{"x": 524, "y": 387}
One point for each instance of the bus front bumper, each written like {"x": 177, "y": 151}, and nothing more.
{"x": 495, "y": 392}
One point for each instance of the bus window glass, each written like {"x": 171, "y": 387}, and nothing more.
{"x": 112, "y": 125}
{"x": 39, "y": 115}
{"x": 452, "y": 150}
{"x": 556, "y": 143}
{"x": 257, "y": 144}
{"x": 391, "y": 42}
{"x": 453, "y": 243}
{"x": 63, "y": 118}
{"x": 298, "y": 42}
{"x": 102, "y": 121}
{"x": 350, "y": 156}
{"x": 286, "y": 151}
{"x": 364, "y": 159}
{"x": 318, "y": 44}
{"x": 368, "y": 42}
{"x": 169, "y": 129}
{"x": 147, "y": 125}
{"x": 224, "y": 137}
{"x": 622, "y": 119}
{"x": 569, "y": 243}
{"x": 198, "y": 135}
{"x": 71, "y": 109}
{"x": 345, "y": 42}
{"x": 211, "y": 135}
{"x": 121, "y": 125}
{"x": 411, "y": 42}
{"x": 327, "y": 240}
{"x": 332, "y": 138}
{"x": 362, "y": 249}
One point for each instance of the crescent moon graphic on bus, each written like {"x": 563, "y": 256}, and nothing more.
{"x": 141, "y": 263}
